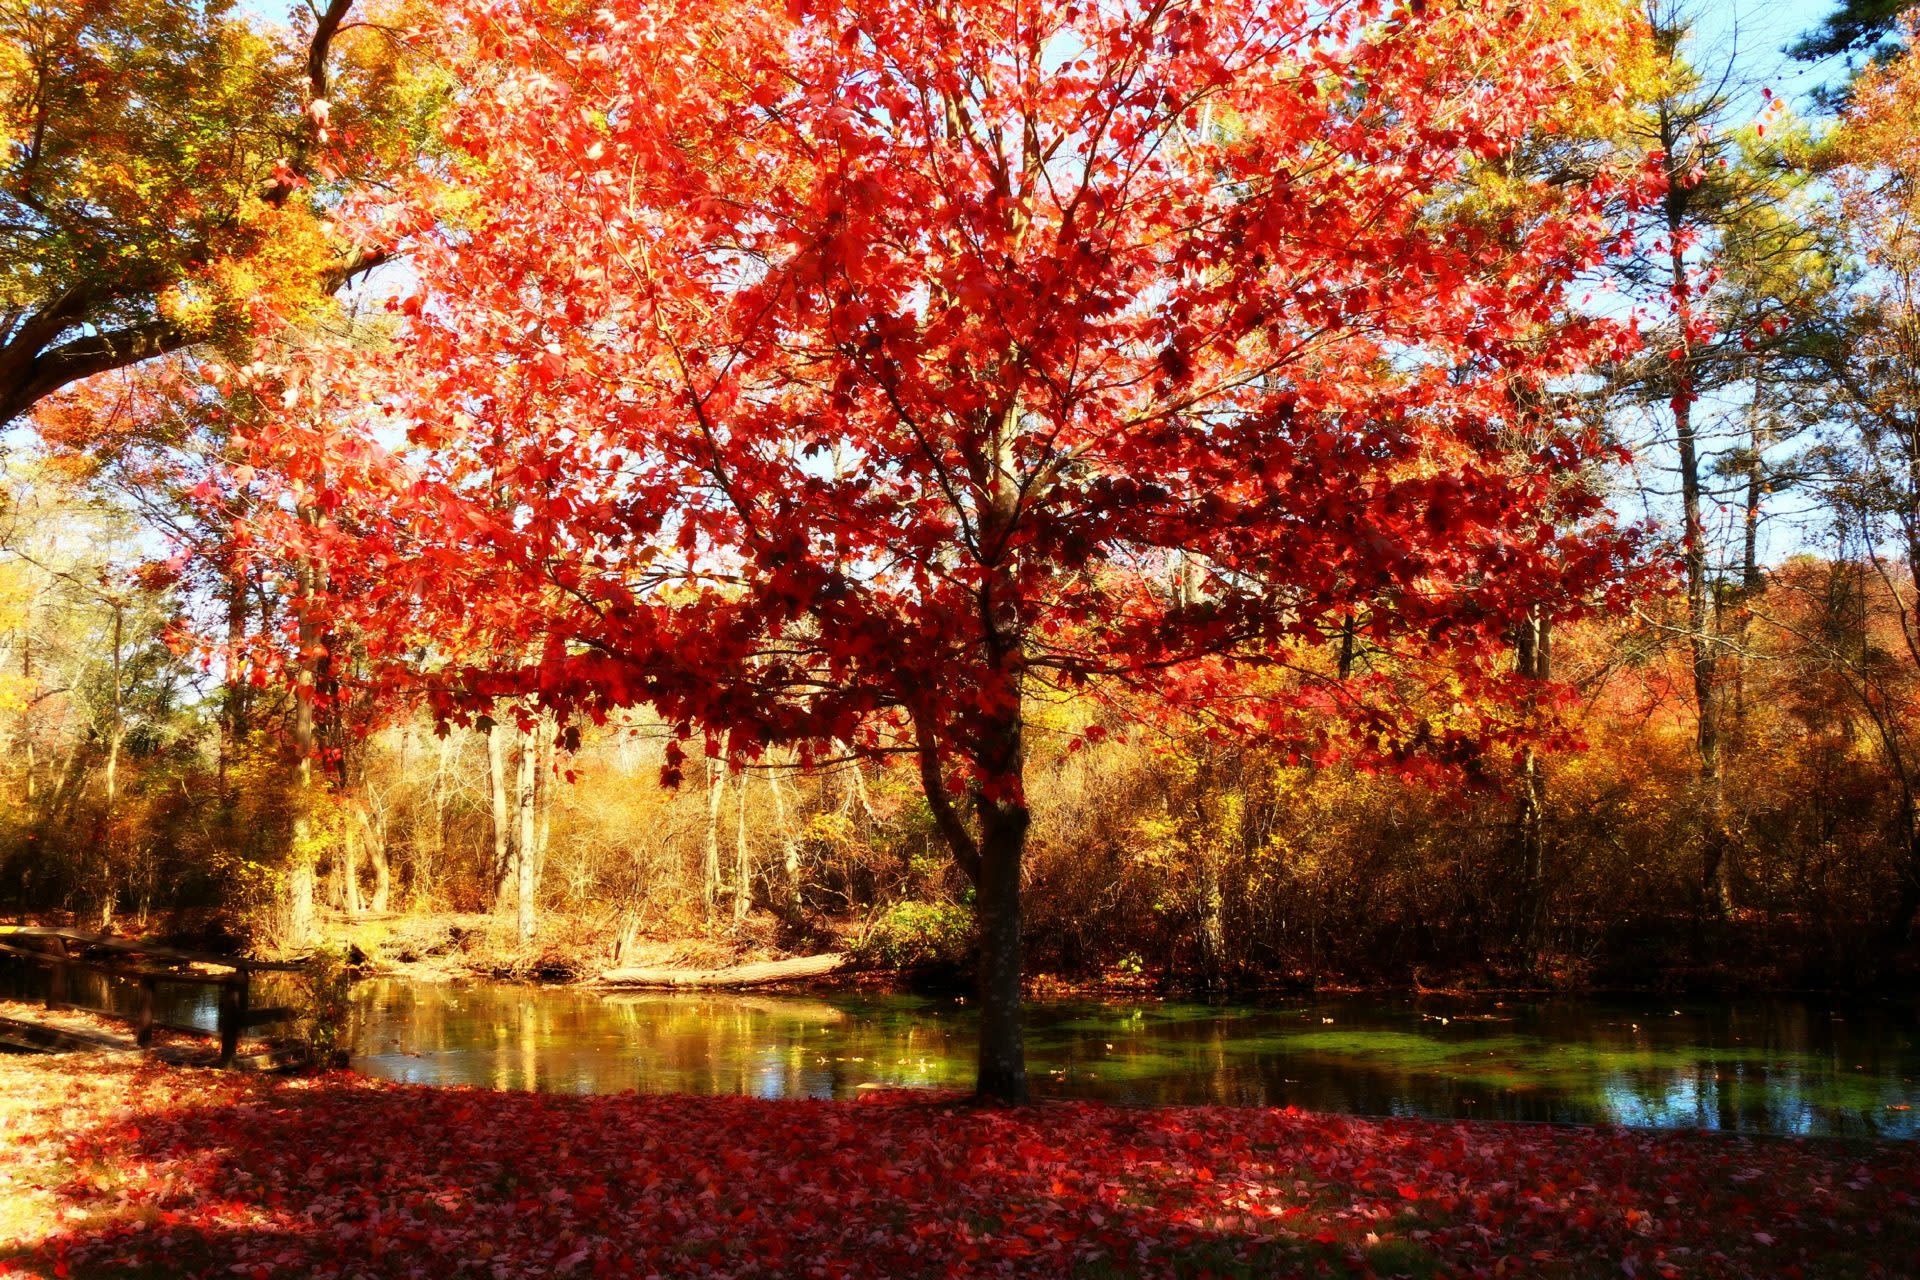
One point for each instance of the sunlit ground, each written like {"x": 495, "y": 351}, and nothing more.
{"x": 111, "y": 1167}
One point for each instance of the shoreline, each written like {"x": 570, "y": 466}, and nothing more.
{"x": 473, "y": 947}
{"x": 1051, "y": 987}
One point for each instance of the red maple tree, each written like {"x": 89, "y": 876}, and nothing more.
{"x": 844, "y": 376}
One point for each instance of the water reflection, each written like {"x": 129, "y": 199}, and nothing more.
{"x": 1773, "y": 1066}
{"x": 1762, "y": 1066}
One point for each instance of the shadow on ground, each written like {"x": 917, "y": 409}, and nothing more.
{"x": 180, "y": 1172}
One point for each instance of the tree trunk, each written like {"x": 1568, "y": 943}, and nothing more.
{"x": 350, "y": 841}
{"x": 1907, "y": 904}
{"x": 116, "y": 732}
{"x": 790, "y": 843}
{"x": 1751, "y": 580}
{"x": 233, "y": 708}
{"x": 543, "y": 801}
{"x": 1535, "y": 661}
{"x": 502, "y": 830}
{"x": 1213, "y": 921}
{"x": 524, "y": 855}
{"x": 373, "y": 837}
{"x": 740, "y": 975}
{"x": 1002, "y": 1075}
{"x": 710, "y": 877}
{"x": 742, "y": 859}
{"x": 27, "y": 702}
{"x": 427, "y": 865}
{"x": 301, "y": 875}
{"x": 382, "y": 873}
{"x": 998, "y": 751}
{"x": 1710, "y": 801}
{"x": 991, "y": 859}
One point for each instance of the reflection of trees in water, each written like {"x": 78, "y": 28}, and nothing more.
{"x": 1777, "y": 1066}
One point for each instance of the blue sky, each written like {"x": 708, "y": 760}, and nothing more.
{"x": 1751, "y": 33}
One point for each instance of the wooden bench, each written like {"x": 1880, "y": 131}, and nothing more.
{"x": 148, "y": 964}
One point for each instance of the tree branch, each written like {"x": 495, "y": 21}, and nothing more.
{"x": 84, "y": 357}
{"x": 966, "y": 850}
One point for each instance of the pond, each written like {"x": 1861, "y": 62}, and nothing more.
{"x": 1759, "y": 1066}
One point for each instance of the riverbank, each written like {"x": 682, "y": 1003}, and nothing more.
{"x": 450, "y": 946}
{"x": 477, "y": 945}
{"x": 113, "y": 1167}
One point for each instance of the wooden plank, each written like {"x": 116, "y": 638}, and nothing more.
{"x": 740, "y": 975}
{"x": 152, "y": 950}
{"x": 57, "y": 983}
{"x": 184, "y": 1028}
{"x": 45, "y": 1038}
{"x": 269, "y": 1060}
{"x": 233, "y": 1017}
{"x": 40, "y": 1035}
{"x": 122, "y": 970}
{"x": 160, "y": 1024}
{"x": 143, "y": 1014}
{"x": 268, "y": 1013}
{"x": 145, "y": 965}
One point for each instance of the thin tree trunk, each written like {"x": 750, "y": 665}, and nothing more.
{"x": 742, "y": 860}
{"x": 857, "y": 790}
{"x": 110, "y": 845}
{"x": 1907, "y": 904}
{"x": 373, "y": 837}
{"x": 1535, "y": 661}
{"x": 1213, "y": 924}
{"x": 115, "y": 727}
{"x": 302, "y": 874}
{"x": 710, "y": 878}
{"x": 524, "y": 867}
{"x": 424, "y": 875}
{"x": 28, "y": 702}
{"x": 1710, "y": 798}
{"x": 382, "y": 874}
{"x": 1210, "y": 898}
{"x": 350, "y": 841}
{"x": 233, "y": 709}
{"x": 502, "y": 830}
{"x": 1751, "y": 580}
{"x": 790, "y": 843}
{"x": 543, "y": 801}
{"x": 63, "y": 778}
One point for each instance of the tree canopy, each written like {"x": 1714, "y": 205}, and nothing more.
{"x": 845, "y": 377}
{"x": 167, "y": 170}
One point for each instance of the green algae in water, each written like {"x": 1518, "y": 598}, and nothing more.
{"x": 1624, "y": 1082}
{"x": 1778, "y": 1066}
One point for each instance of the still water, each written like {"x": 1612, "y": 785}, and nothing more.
{"x": 1773, "y": 1066}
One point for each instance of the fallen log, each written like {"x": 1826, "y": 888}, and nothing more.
{"x": 783, "y": 1007}
{"x": 739, "y": 975}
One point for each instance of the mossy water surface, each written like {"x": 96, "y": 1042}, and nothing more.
{"x": 1758, "y": 1066}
